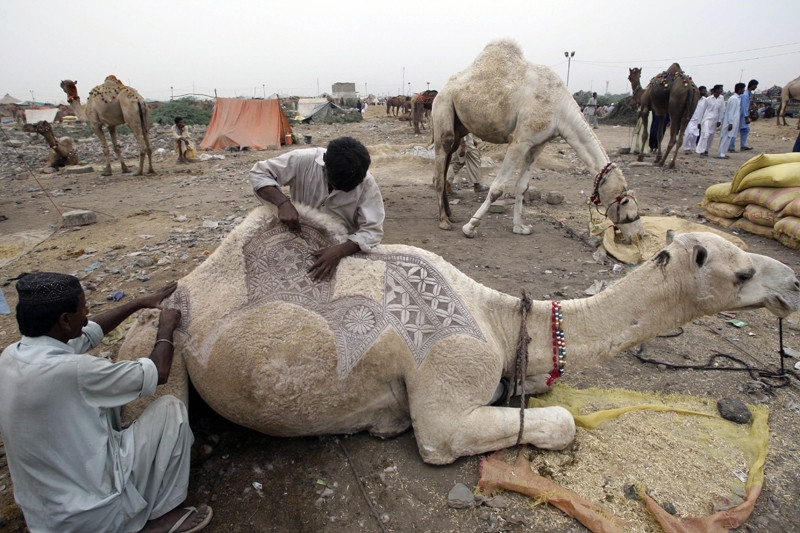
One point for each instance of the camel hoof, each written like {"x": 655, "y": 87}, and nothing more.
{"x": 445, "y": 225}
{"x": 105, "y": 173}
{"x": 522, "y": 230}
{"x": 452, "y": 218}
{"x": 468, "y": 231}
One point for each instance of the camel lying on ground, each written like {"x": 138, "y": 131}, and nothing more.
{"x": 63, "y": 153}
{"x": 502, "y": 98}
{"x": 111, "y": 105}
{"x": 400, "y": 338}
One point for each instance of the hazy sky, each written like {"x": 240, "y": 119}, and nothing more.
{"x": 256, "y": 48}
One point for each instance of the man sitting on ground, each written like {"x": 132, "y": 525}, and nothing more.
{"x": 73, "y": 467}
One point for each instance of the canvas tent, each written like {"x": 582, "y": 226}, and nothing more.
{"x": 256, "y": 124}
{"x": 8, "y": 99}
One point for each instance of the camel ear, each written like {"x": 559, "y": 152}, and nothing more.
{"x": 670, "y": 236}
{"x": 699, "y": 255}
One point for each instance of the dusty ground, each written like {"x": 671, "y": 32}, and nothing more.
{"x": 156, "y": 228}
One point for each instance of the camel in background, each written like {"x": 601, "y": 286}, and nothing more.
{"x": 790, "y": 91}
{"x": 63, "y": 153}
{"x": 503, "y": 99}
{"x": 421, "y": 105}
{"x": 671, "y": 92}
{"x": 110, "y": 105}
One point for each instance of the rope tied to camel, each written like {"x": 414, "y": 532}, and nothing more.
{"x": 594, "y": 199}
{"x": 598, "y": 180}
{"x": 521, "y": 361}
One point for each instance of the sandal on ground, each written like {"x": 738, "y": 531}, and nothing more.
{"x": 482, "y": 188}
{"x": 198, "y": 527}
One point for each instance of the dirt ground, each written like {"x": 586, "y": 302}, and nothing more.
{"x": 154, "y": 229}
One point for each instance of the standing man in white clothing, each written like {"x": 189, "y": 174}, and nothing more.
{"x": 730, "y": 122}
{"x": 712, "y": 119}
{"x": 693, "y": 128}
{"x": 591, "y": 110}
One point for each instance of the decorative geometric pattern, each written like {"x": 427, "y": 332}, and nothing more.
{"x": 417, "y": 302}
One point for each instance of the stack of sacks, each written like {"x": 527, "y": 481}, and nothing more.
{"x": 759, "y": 198}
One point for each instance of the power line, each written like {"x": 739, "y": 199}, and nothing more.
{"x": 704, "y": 55}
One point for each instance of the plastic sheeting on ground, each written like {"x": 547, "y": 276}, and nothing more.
{"x": 751, "y": 441}
{"x": 654, "y": 238}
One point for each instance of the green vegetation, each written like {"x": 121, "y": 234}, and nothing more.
{"x": 193, "y": 112}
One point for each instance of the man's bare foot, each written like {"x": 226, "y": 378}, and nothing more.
{"x": 193, "y": 520}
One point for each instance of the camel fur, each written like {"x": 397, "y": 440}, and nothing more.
{"x": 63, "y": 153}
{"x": 790, "y": 91}
{"x": 110, "y": 105}
{"x": 671, "y": 92}
{"x": 400, "y": 338}
{"x": 503, "y": 99}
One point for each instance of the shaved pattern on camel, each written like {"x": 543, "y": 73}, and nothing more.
{"x": 417, "y": 301}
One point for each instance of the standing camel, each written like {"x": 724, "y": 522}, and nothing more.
{"x": 502, "y": 98}
{"x": 394, "y": 104}
{"x": 790, "y": 91}
{"x": 671, "y": 92}
{"x": 421, "y": 105}
{"x": 110, "y": 105}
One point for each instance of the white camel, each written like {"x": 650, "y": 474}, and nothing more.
{"x": 502, "y": 98}
{"x": 401, "y": 338}
{"x": 790, "y": 91}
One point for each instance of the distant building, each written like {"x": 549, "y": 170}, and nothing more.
{"x": 343, "y": 90}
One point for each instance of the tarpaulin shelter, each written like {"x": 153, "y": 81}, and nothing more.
{"x": 32, "y": 116}
{"x": 256, "y": 124}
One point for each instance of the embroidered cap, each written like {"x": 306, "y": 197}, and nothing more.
{"x": 47, "y": 287}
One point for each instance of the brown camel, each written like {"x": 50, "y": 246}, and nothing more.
{"x": 672, "y": 93}
{"x": 790, "y": 91}
{"x": 394, "y": 104}
{"x": 421, "y": 105}
{"x": 110, "y": 105}
{"x": 63, "y": 153}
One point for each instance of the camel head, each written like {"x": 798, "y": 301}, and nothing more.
{"x": 727, "y": 277}
{"x": 42, "y": 127}
{"x": 611, "y": 190}
{"x": 634, "y": 74}
{"x": 71, "y": 88}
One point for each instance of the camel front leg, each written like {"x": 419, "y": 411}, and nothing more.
{"x": 117, "y": 150}
{"x": 444, "y": 437}
{"x": 98, "y": 131}
{"x": 522, "y": 185}
{"x": 514, "y": 156}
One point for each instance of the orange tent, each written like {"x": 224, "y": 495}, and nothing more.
{"x": 256, "y": 124}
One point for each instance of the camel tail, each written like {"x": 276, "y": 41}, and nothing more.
{"x": 142, "y": 106}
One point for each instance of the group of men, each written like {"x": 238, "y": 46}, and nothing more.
{"x": 712, "y": 112}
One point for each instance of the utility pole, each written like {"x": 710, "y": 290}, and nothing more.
{"x": 569, "y": 56}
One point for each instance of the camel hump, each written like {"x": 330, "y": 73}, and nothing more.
{"x": 113, "y": 82}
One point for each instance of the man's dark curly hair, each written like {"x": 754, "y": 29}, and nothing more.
{"x": 347, "y": 162}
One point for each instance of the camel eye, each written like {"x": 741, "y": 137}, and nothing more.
{"x": 742, "y": 277}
